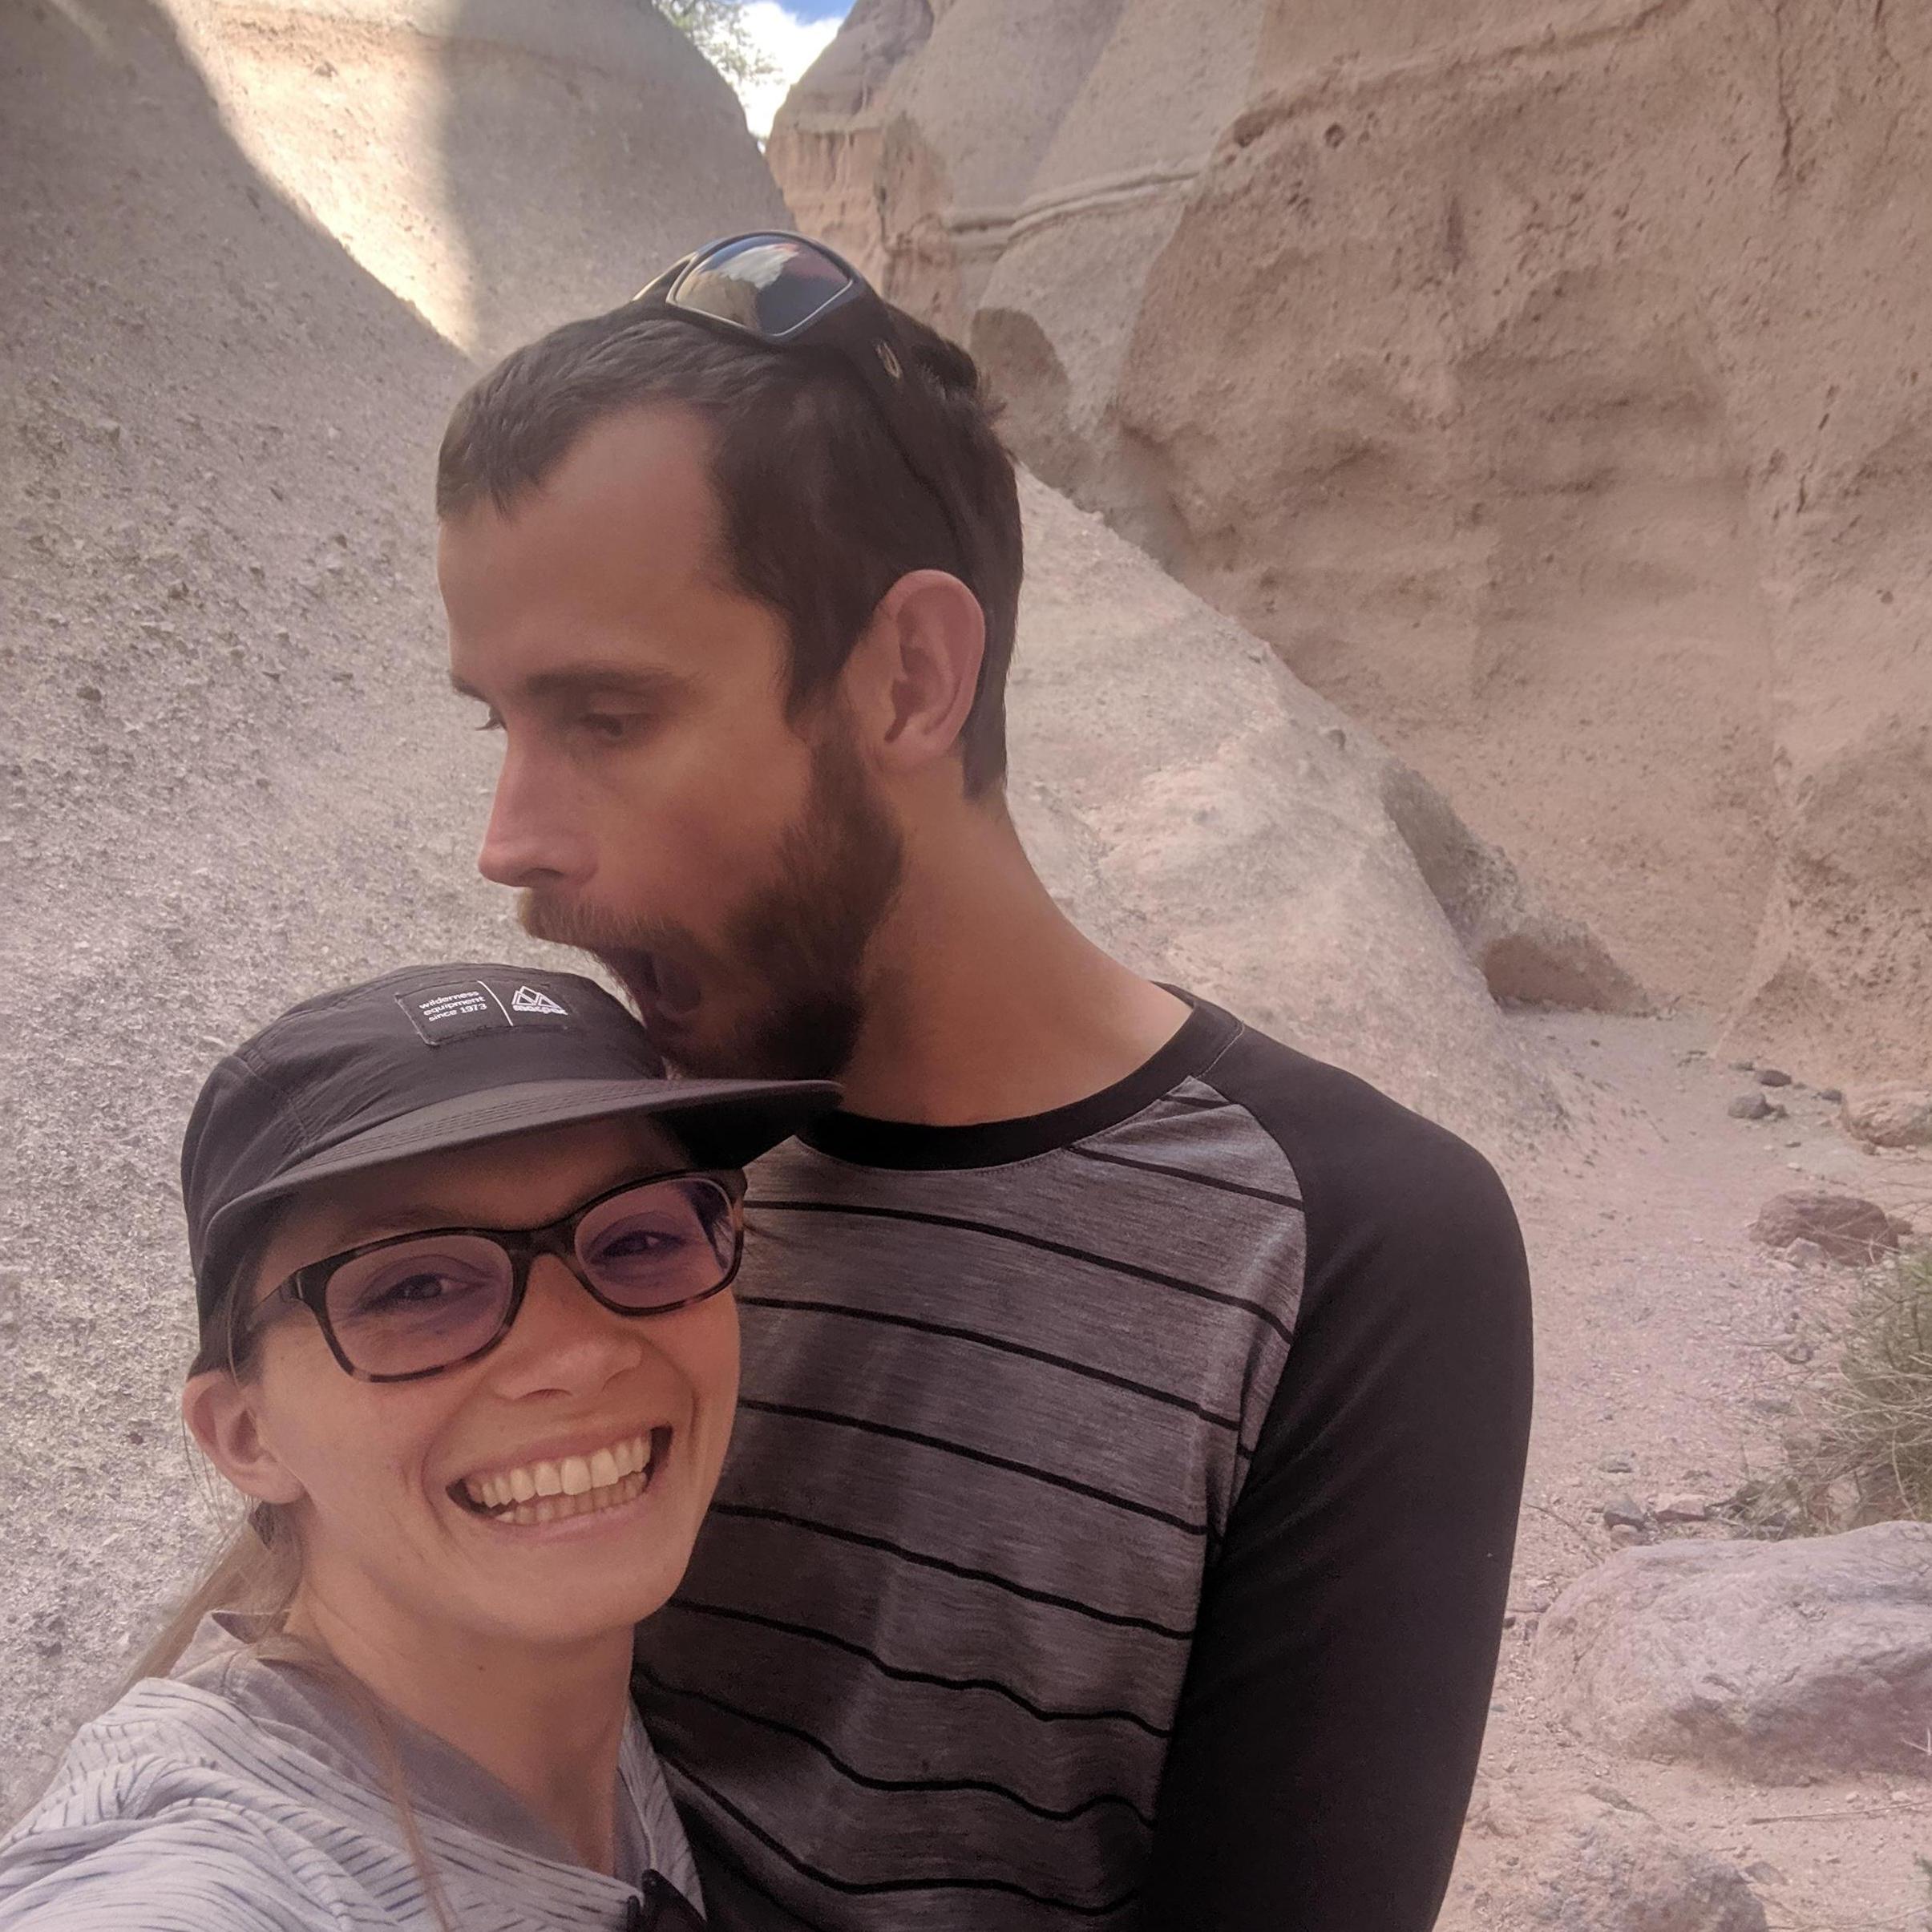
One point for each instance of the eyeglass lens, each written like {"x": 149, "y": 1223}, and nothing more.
{"x": 767, "y": 284}
{"x": 427, "y": 1302}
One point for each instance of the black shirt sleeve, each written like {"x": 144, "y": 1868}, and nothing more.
{"x": 1335, "y": 1698}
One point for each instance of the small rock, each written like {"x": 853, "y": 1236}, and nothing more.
{"x": 1772, "y": 1077}
{"x": 1744, "y": 1066}
{"x": 1805, "y": 1253}
{"x": 1625, "y": 1536}
{"x": 1831, "y": 1096}
{"x": 1682, "y": 1507}
{"x": 1843, "y": 1228}
{"x": 1763, "y": 1872}
{"x": 1752, "y": 1106}
{"x": 89, "y": 694}
{"x": 1617, "y": 1465}
{"x": 1626, "y": 1511}
{"x": 1894, "y": 1115}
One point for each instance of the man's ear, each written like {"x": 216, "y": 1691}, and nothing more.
{"x": 221, "y": 1416}
{"x": 916, "y": 670}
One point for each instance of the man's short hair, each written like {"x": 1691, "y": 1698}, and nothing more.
{"x": 822, "y": 513}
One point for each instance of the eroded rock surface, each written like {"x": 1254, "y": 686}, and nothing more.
{"x": 1433, "y": 343}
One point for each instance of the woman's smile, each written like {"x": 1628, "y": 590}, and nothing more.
{"x": 546, "y": 1489}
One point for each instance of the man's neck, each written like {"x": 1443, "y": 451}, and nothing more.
{"x": 986, "y": 1002}
{"x": 546, "y": 1724}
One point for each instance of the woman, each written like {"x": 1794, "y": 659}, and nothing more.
{"x": 460, "y": 1254}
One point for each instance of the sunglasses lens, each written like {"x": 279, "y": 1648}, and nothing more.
{"x": 660, "y": 1243}
{"x": 767, "y": 285}
{"x": 417, "y": 1305}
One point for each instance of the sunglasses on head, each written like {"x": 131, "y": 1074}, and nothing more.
{"x": 787, "y": 291}
{"x": 417, "y": 1305}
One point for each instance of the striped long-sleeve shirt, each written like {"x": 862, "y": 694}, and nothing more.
{"x": 240, "y": 1796}
{"x": 1117, "y": 1525}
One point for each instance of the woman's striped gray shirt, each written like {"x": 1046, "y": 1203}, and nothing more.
{"x": 242, "y": 1796}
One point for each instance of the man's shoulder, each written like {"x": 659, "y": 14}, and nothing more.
{"x": 1358, "y": 1153}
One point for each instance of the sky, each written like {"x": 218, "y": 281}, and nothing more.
{"x": 793, "y": 35}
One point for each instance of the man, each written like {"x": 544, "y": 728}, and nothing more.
{"x": 1119, "y": 1521}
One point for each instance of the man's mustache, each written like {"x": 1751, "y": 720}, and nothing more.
{"x": 560, "y": 923}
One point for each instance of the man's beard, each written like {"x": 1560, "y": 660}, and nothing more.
{"x": 801, "y": 937}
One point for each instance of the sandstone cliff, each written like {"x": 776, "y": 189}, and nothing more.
{"x": 1542, "y": 377}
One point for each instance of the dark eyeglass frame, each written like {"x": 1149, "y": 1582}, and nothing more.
{"x": 856, "y": 326}
{"x": 308, "y": 1286}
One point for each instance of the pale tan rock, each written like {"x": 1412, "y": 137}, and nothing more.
{"x": 1892, "y": 1115}
{"x": 1775, "y": 1661}
{"x": 1434, "y": 344}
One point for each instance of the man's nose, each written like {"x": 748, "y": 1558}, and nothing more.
{"x": 531, "y": 842}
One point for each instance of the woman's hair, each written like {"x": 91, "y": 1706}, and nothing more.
{"x": 256, "y": 1575}
{"x": 258, "y": 1570}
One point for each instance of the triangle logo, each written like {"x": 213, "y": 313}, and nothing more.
{"x": 527, "y": 1000}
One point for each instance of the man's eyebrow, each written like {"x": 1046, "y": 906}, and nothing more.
{"x": 647, "y": 683}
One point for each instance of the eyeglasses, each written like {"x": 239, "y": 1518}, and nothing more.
{"x": 417, "y": 1305}
{"x": 786, "y": 291}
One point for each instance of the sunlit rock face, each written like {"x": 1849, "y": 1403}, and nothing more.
{"x": 501, "y": 166}
{"x": 1543, "y": 378}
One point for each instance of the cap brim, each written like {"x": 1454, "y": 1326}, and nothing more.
{"x": 722, "y": 1123}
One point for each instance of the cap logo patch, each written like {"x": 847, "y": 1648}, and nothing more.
{"x": 465, "y": 1007}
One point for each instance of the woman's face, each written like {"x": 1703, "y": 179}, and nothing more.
{"x": 389, "y": 1484}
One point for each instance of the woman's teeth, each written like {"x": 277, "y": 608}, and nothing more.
{"x": 578, "y": 1485}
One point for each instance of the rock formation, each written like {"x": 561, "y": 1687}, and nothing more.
{"x": 415, "y": 130}
{"x": 1542, "y": 377}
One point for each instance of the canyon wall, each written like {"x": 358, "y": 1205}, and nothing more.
{"x": 1543, "y": 378}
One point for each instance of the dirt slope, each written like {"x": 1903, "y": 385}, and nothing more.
{"x": 1542, "y": 378}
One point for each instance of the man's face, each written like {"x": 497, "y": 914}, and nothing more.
{"x": 656, "y": 806}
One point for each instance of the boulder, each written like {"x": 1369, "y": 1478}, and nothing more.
{"x": 1591, "y": 1862}
{"x": 1618, "y": 1871}
{"x": 1775, "y": 1661}
{"x": 501, "y": 166}
{"x": 1841, "y": 1227}
{"x": 1888, "y": 1115}
{"x": 1391, "y": 330}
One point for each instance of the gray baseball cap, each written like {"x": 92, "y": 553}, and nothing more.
{"x": 432, "y": 1057}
